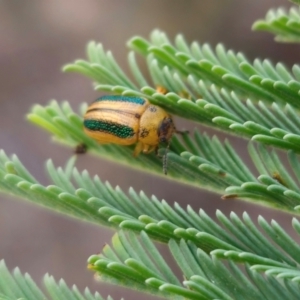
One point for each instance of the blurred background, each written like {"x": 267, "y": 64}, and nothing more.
{"x": 37, "y": 39}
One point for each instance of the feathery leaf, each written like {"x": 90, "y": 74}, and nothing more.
{"x": 143, "y": 268}
{"x": 15, "y": 285}
{"x": 285, "y": 25}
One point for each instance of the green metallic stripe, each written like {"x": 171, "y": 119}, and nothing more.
{"x": 135, "y": 100}
{"x": 121, "y": 131}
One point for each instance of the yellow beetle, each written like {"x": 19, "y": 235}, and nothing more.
{"x": 126, "y": 120}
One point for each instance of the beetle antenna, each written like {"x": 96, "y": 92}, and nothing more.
{"x": 165, "y": 160}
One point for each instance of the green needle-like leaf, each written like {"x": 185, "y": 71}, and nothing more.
{"x": 207, "y": 86}
{"x": 205, "y": 277}
{"x": 203, "y": 162}
{"x": 285, "y": 25}
{"x": 99, "y": 203}
{"x": 15, "y": 285}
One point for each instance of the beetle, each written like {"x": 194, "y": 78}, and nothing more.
{"x": 128, "y": 120}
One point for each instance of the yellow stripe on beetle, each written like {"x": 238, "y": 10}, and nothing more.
{"x": 126, "y": 120}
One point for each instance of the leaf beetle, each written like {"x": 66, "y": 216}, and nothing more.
{"x": 128, "y": 120}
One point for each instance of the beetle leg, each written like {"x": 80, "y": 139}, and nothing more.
{"x": 161, "y": 89}
{"x": 81, "y": 148}
{"x": 138, "y": 148}
{"x": 147, "y": 148}
{"x": 143, "y": 147}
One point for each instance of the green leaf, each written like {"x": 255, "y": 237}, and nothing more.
{"x": 99, "y": 203}
{"x": 205, "y": 277}
{"x": 15, "y": 285}
{"x": 285, "y": 25}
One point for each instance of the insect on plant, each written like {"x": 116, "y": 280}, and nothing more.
{"x": 127, "y": 120}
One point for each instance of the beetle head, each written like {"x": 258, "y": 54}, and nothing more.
{"x": 166, "y": 130}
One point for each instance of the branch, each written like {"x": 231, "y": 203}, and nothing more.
{"x": 198, "y": 161}
{"x": 99, "y": 203}
{"x": 18, "y": 286}
{"x": 136, "y": 263}
{"x": 200, "y": 82}
{"x": 285, "y": 25}
{"x": 179, "y": 68}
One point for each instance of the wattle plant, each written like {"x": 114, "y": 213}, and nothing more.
{"x": 231, "y": 258}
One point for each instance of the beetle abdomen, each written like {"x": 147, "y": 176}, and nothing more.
{"x": 115, "y": 119}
